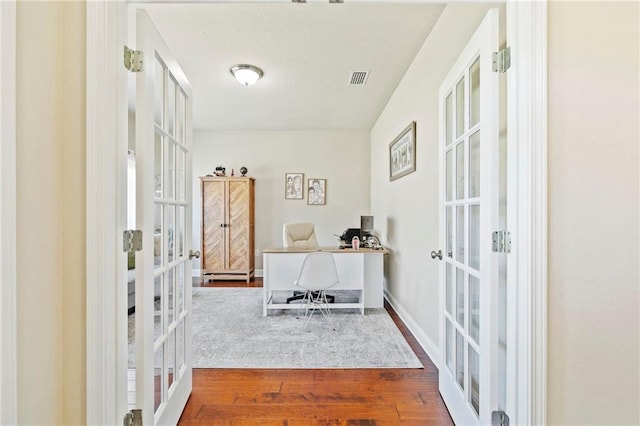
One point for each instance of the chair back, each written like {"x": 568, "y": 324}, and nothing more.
{"x": 318, "y": 271}
{"x": 299, "y": 235}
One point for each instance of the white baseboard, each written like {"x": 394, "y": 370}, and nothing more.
{"x": 196, "y": 273}
{"x": 427, "y": 344}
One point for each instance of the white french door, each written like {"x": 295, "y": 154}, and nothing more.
{"x": 468, "y": 112}
{"x": 163, "y": 282}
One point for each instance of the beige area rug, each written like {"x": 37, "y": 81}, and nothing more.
{"x": 229, "y": 331}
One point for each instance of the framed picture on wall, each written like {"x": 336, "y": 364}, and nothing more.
{"x": 293, "y": 186}
{"x": 402, "y": 153}
{"x": 316, "y": 191}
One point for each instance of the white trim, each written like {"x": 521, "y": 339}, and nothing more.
{"x": 427, "y": 344}
{"x": 8, "y": 300}
{"x": 105, "y": 215}
{"x": 527, "y": 195}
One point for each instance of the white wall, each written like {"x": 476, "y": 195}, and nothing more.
{"x": 50, "y": 164}
{"x": 341, "y": 157}
{"x": 593, "y": 171}
{"x": 406, "y": 209}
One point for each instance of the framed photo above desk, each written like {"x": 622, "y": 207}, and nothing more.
{"x": 293, "y": 186}
{"x": 316, "y": 192}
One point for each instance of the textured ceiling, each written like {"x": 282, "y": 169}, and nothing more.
{"x": 307, "y": 52}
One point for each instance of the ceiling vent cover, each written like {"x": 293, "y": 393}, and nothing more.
{"x": 358, "y": 78}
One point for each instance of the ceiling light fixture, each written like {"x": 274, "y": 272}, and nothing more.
{"x": 246, "y": 74}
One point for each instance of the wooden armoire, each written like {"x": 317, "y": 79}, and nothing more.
{"x": 228, "y": 228}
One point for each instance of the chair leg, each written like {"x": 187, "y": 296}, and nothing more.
{"x": 319, "y": 301}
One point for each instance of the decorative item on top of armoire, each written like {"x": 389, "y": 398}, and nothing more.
{"x": 228, "y": 228}
{"x": 220, "y": 171}
{"x": 243, "y": 170}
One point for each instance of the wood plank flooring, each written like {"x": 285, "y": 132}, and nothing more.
{"x": 288, "y": 397}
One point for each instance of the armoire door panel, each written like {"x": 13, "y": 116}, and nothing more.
{"x": 238, "y": 225}
{"x": 213, "y": 230}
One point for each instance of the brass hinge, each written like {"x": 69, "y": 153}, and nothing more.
{"x": 133, "y": 59}
{"x": 502, "y": 60}
{"x": 132, "y": 240}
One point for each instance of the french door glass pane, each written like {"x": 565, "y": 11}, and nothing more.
{"x": 474, "y": 236}
{"x": 158, "y": 378}
{"x": 474, "y": 89}
{"x": 181, "y": 234}
{"x": 460, "y": 108}
{"x": 170, "y": 293}
{"x": 460, "y": 171}
{"x": 181, "y": 116}
{"x": 158, "y": 325}
{"x": 170, "y": 232}
{"x": 449, "y": 175}
{"x": 448, "y": 344}
{"x": 158, "y": 86}
{"x": 474, "y": 376}
{"x": 448, "y": 120}
{"x": 448, "y": 288}
{"x": 171, "y": 341}
{"x": 460, "y": 297}
{"x": 474, "y": 165}
{"x": 171, "y": 106}
{"x": 180, "y": 289}
{"x": 180, "y": 175}
{"x": 474, "y": 308}
{"x": 158, "y": 240}
{"x": 180, "y": 345}
{"x": 157, "y": 168}
{"x": 449, "y": 219}
{"x": 170, "y": 174}
{"x": 460, "y": 237}
{"x": 460, "y": 359}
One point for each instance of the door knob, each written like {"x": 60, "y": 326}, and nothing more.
{"x": 193, "y": 254}
{"x": 437, "y": 254}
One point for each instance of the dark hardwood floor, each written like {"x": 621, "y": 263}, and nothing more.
{"x": 354, "y": 397}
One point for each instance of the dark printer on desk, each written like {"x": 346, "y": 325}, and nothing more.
{"x": 347, "y": 236}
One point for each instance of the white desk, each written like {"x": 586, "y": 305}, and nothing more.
{"x": 361, "y": 270}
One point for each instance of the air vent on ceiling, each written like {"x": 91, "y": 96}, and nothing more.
{"x": 358, "y": 78}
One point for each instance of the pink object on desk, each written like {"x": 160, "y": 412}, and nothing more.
{"x": 355, "y": 243}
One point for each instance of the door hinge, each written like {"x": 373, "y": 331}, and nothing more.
{"x": 133, "y": 418}
{"x": 502, "y": 60}
{"x": 499, "y": 418}
{"x": 133, "y": 59}
{"x": 501, "y": 241}
{"x": 132, "y": 240}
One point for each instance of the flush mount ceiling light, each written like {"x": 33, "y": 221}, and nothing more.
{"x": 246, "y": 74}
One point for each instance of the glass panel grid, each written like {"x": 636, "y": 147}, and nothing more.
{"x": 460, "y": 299}
{"x": 448, "y": 123}
{"x": 460, "y": 359}
{"x": 474, "y": 93}
{"x": 159, "y": 93}
{"x": 474, "y": 308}
{"x": 170, "y": 107}
{"x": 460, "y": 107}
{"x": 474, "y": 379}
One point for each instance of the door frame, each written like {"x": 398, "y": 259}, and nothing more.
{"x": 106, "y": 120}
{"x": 8, "y": 289}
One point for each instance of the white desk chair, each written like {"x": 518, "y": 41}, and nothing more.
{"x": 300, "y": 234}
{"x": 317, "y": 273}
